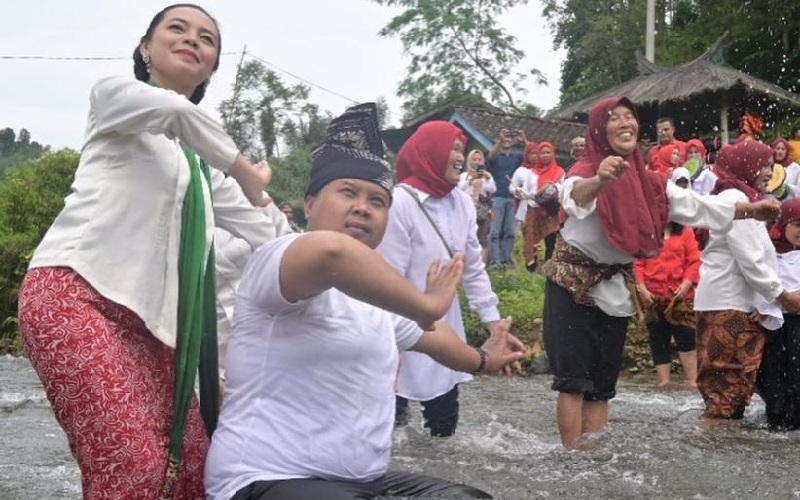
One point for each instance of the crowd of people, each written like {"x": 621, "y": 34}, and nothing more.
{"x": 170, "y": 267}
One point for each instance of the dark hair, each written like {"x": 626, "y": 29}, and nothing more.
{"x": 666, "y": 119}
{"x": 140, "y": 68}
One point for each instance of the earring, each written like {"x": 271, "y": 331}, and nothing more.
{"x": 146, "y": 60}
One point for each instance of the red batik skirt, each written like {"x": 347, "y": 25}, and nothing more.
{"x": 111, "y": 385}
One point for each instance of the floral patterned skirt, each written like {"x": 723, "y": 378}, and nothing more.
{"x": 729, "y": 350}
{"x": 110, "y": 383}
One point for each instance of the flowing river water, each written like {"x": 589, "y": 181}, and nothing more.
{"x": 657, "y": 446}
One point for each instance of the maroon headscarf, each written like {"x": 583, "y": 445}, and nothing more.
{"x": 633, "y": 209}
{"x": 422, "y": 160}
{"x": 790, "y": 212}
{"x": 787, "y": 159}
{"x": 738, "y": 166}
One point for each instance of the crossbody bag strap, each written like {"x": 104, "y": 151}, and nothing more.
{"x": 427, "y": 216}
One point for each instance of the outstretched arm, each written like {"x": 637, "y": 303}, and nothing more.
{"x": 500, "y": 350}
{"x": 319, "y": 260}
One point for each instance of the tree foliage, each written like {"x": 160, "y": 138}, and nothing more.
{"x": 458, "y": 51}
{"x": 17, "y": 148}
{"x": 264, "y": 112}
{"x": 601, "y": 38}
{"x": 30, "y": 198}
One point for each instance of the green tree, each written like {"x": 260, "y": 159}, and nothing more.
{"x": 457, "y": 49}
{"x": 17, "y": 148}
{"x": 601, "y": 38}
{"x": 30, "y": 198}
{"x": 261, "y": 106}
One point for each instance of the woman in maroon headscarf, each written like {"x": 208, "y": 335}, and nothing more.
{"x": 617, "y": 210}
{"x": 738, "y": 266}
{"x": 429, "y": 220}
{"x": 778, "y": 379}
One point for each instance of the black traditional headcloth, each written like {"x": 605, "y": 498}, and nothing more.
{"x": 353, "y": 149}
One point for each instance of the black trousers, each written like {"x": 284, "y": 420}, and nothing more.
{"x": 778, "y": 379}
{"x": 440, "y": 414}
{"x": 393, "y": 484}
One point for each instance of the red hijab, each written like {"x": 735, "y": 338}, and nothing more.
{"x": 787, "y": 159}
{"x": 530, "y": 146}
{"x": 550, "y": 172}
{"x": 738, "y": 166}
{"x": 697, "y": 143}
{"x": 790, "y": 212}
{"x": 423, "y": 158}
{"x": 664, "y": 160}
{"x": 633, "y": 209}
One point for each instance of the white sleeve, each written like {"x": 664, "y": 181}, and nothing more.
{"x": 751, "y": 258}
{"x": 123, "y": 105}
{"x": 234, "y": 213}
{"x": 569, "y": 205}
{"x": 261, "y": 285}
{"x": 406, "y": 332}
{"x": 711, "y": 212}
{"x": 475, "y": 280}
{"x": 489, "y": 186}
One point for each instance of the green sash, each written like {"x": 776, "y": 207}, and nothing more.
{"x": 196, "y": 347}
{"x": 197, "y": 322}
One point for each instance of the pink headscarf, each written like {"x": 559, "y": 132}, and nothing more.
{"x": 633, "y": 209}
{"x": 738, "y": 166}
{"x": 422, "y": 160}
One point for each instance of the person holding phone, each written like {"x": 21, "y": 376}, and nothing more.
{"x": 479, "y": 184}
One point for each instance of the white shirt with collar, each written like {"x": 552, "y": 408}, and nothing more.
{"x": 410, "y": 245}
{"x": 120, "y": 226}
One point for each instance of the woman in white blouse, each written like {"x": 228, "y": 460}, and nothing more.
{"x": 430, "y": 219}
{"x": 738, "y": 266}
{"x": 117, "y": 310}
{"x": 479, "y": 184}
{"x": 616, "y": 211}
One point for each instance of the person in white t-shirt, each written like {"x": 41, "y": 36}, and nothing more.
{"x": 309, "y": 405}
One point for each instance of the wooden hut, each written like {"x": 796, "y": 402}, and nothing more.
{"x": 702, "y": 96}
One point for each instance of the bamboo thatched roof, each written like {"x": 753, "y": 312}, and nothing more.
{"x": 706, "y": 78}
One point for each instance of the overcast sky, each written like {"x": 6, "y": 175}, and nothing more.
{"x": 332, "y": 43}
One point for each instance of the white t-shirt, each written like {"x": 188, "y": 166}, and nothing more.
{"x": 310, "y": 384}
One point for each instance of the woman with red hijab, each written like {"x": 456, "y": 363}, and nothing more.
{"x": 428, "y": 220}
{"x": 738, "y": 266}
{"x": 539, "y": 224}
{"x": 667, "y": 159}
{"x": 616, "y": 212}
